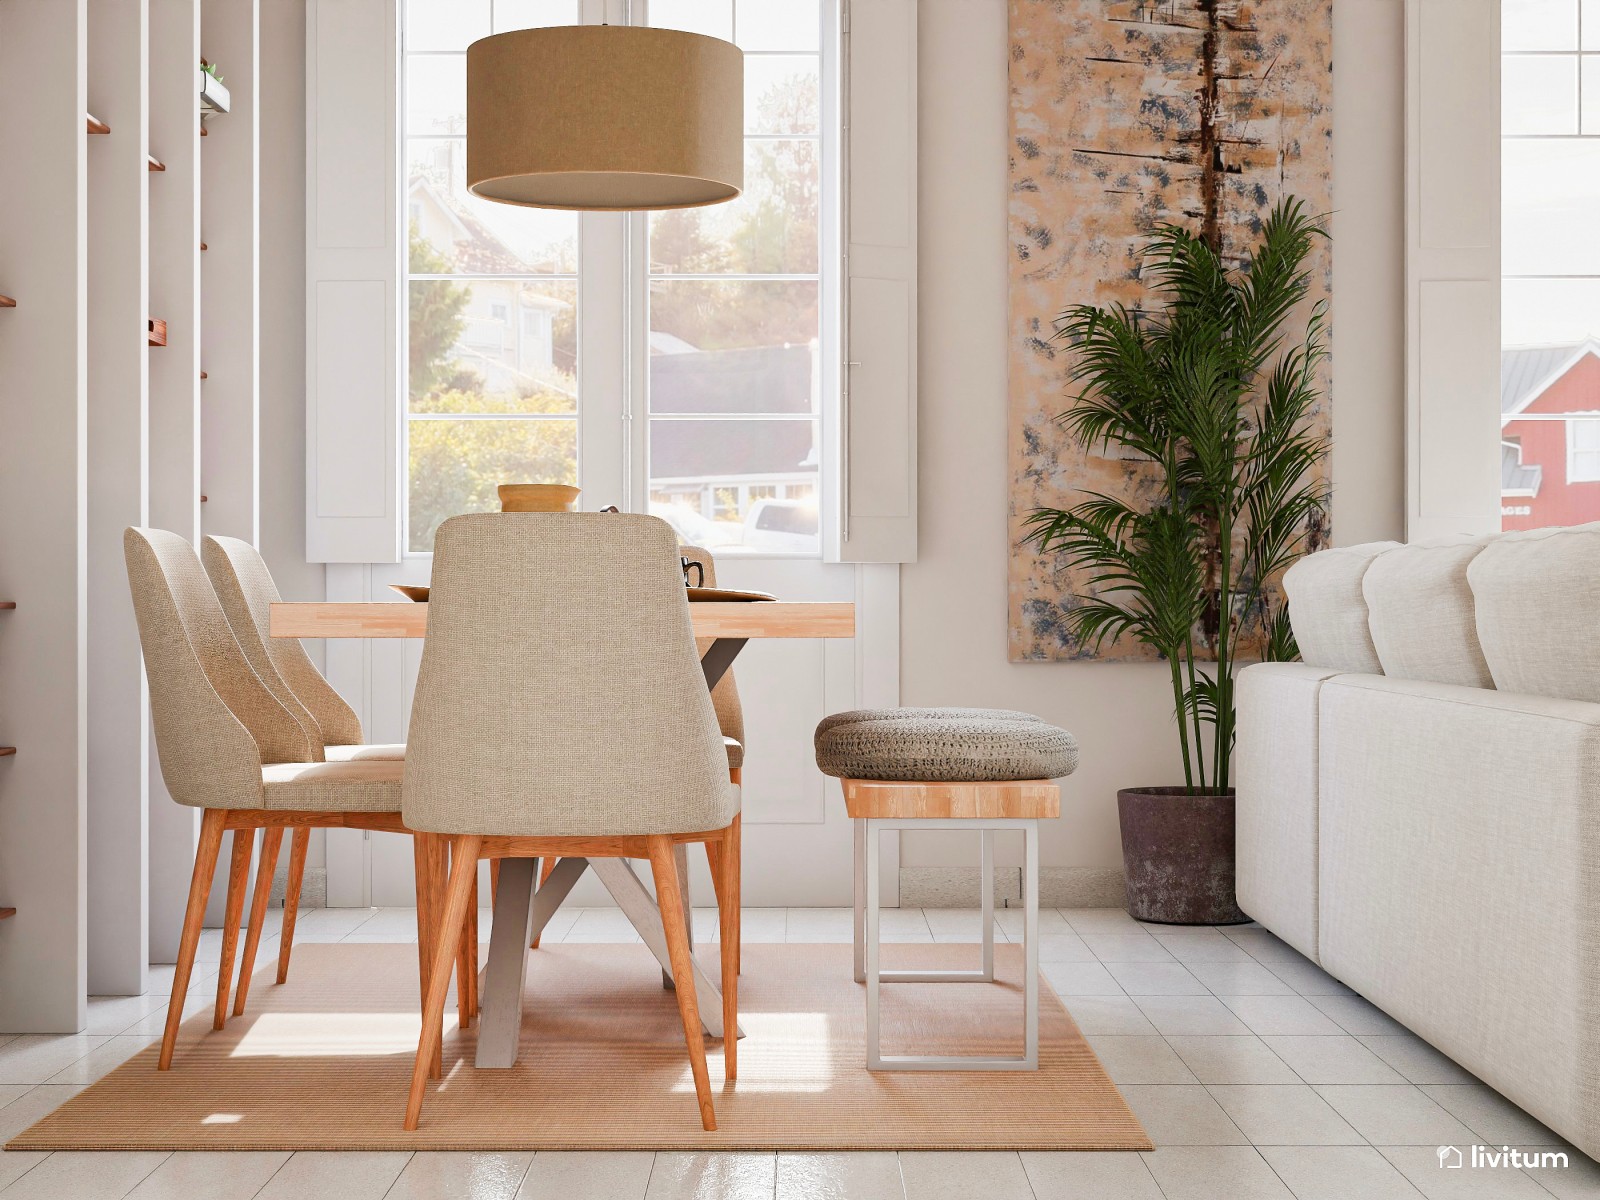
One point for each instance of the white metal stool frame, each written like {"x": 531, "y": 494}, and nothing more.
{"x": 867, "y": 941}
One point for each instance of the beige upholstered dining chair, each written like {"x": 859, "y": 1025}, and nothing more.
{"x": 229, "y": 746}
{"x": 561, "y": 710}
{"x": 247, "y": 591}
{"x": 730, "y": 719}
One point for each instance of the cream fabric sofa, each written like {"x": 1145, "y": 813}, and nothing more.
{"x": 1419, "y": 800}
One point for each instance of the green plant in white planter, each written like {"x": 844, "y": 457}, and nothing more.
{"x": 214, "y": 97}
{"x": 1215, "y": 387}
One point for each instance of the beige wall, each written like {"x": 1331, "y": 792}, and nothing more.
{"x": 953, "y": 600}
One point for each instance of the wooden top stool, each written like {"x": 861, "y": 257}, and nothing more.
{"x": 982, "y": 769}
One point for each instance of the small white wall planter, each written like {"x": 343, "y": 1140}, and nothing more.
{"x": 213, "y": 95}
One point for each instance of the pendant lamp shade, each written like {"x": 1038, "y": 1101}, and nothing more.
{"x": 611, "y": 117}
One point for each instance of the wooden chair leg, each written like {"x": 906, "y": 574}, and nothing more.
{"x": 467, "y": 964}
{"x": 463, "y": 870}
{"x": 717, "y": 860}
{"x": 205, "y": 866}
{"x": 494, "y": 882}
{"x": 428, "y": 850}
{"x": 674, "y": 921}
{"x": 728, "y": 924}
{"x": 545, "y": 869}
{"x": 733, "y": 863}
{"x": 244, "y": 844}
{"x": 271, "y": 841}
{"x": 291, "y": 898}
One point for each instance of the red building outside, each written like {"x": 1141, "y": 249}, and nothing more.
{"x": 1550, "y": 435}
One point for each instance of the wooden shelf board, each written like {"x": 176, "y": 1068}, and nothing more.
{"x": 95, "y": 124}
{"x": 204, "y": 132}
{"x": 156, "y": 331}
{"x": 203, "y": 375}
{"x": 7, "y": 302}
{"x": 203, "y": 246}
{"x": 7, "y": 751}
{"x": 152, "y": 163}
{"x": 7, "y": 912}
{"x": 7, "y": 604}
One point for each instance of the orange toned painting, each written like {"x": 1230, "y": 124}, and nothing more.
{"x": 1127, "y": 115}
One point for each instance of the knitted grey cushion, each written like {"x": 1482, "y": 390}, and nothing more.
{"x": 943, "y": 745}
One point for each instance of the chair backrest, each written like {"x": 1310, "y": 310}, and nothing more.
{"x": 216, "y": 723}
{"x": 245, "y": 586}
{"x": 725, "y": 696}
{"x": 560, "y": 692}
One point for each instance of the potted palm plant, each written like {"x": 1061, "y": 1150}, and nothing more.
{"x": 1213, "y": 389}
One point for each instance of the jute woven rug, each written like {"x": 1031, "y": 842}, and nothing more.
{"x": 323, "y": 1063}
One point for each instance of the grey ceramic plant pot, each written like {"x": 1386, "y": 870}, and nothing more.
{"x": 1177, "y": 853}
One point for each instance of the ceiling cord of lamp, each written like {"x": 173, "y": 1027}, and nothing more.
{"x": 605, "y": 117}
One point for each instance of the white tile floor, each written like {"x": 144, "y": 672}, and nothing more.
{"x": 1255, "y": 1073}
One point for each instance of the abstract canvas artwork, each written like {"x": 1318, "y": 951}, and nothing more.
{"x": 1126, "y": 115}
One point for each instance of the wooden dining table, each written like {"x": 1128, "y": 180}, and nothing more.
{"x": 522, "y": 909}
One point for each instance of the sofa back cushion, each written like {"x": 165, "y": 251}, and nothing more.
{"x": 1537, "y": 597}
{"x": 1328, "y": 611}
{"x": 1422, "y": 614}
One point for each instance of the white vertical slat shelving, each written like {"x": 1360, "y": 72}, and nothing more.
{"x": 174, "y": 391}
{"x": 120, "y": 182}
{"x": 43, "y": 514}
{"x": 107, "y": 430}
{"x": 230, "y": 220}
{"x": 230, "y": 270}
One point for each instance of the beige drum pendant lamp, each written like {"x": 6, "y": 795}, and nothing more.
{"x": 611, "y": 117}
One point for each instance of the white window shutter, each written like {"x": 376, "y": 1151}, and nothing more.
{"x": 878, "y": 409}
{"x": 1452, "y": 267}
{"x": 353, "y": 302}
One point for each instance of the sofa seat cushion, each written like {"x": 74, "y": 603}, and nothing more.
{"x": 943, "y": 745}
{"x": 1537, "y": 600}
{"x": 366, "y": 785}
{"x": 1328, "y": 610}
{"x": 365, "y": 751}
{"x": 1421, "y": 612}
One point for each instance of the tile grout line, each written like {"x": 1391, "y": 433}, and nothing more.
{"x": 164, "y": 1159}
{"x": 395, "y": 1181}
{"x": 33, "y": 1168}
{"x": 267, "y": 1182}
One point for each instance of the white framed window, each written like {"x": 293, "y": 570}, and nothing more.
{"x": 1583, "y": 450}
{"x": 691, "y": 361}
{"x": 719, "y": 312}
{"x": 1550, "y": 275}
{"x": 734, "y": 391}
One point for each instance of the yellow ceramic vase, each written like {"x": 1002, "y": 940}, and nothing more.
{"x": 538, "y": 497}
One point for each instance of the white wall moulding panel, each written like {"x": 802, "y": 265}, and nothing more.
{"x": 353, "y": 248}
{"x": 1452, "y": 267}
{"x": 174, "y": 391}
{"x": 230, "y": 268}
{"x": 119, "y": 495}
{"x": 877, "y": 449}
{"x": 43, "y": 515}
